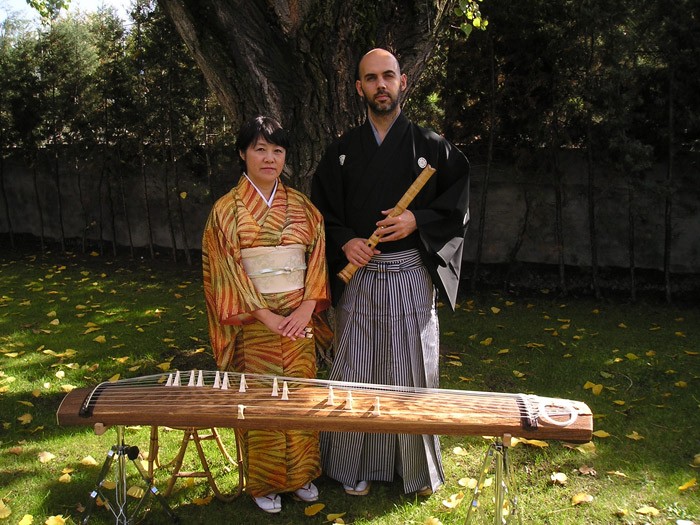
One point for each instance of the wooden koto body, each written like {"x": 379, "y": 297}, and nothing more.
{"x": 205, "y": 399}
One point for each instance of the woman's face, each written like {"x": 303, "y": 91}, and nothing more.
{"x": 264, "y": 163}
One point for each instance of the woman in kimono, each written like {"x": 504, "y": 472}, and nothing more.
{"x": 264, "y": 278}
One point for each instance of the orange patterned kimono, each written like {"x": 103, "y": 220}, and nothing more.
{"x": 274, "y": 461}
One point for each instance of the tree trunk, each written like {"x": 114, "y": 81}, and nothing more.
{"x": 180, "y": 209}
{"x": 81, "y": 199}
{"x": 59, "y": 206}
{"x": 39, "y": 208}
{"x": 558, "y": 220}
{"x": 592, "y": 234}
{"x": 513, "y": 252}
{"x": 112, "y": 216}
{"x": 296, "y": 60}
{"x": 668, "y": 209}
{"x": 5, "y": 202}
{"x": 207, "y": 154}
{"x": 147, "y": 205}
{"x": 166, "y": 199}
{"x": 631, "y": 239}
{"x": 125, "y": 206}
{"x": 489, "y": 162}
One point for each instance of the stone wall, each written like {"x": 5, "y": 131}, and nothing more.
{"x": 115, "y": 206}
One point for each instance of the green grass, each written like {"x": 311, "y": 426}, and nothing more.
{"x": 73, "y": 320}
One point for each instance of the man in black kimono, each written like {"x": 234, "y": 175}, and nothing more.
{"x": 386, "y": 319}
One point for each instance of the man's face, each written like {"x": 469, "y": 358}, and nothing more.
{"x": 380, "y": 82}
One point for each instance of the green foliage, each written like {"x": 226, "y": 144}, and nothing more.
{"x": 470, "y": 10}
{"x": 67, "y": 320}
{"x": 49, "y": 9}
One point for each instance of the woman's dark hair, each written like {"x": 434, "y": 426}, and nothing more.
{"x": 257, "y": 128}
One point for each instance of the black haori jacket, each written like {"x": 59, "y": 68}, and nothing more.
{"x": 357, "y": 179}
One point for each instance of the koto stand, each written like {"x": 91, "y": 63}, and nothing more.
{"x": 119, "y": 505}
{"x": 505, "y": 500}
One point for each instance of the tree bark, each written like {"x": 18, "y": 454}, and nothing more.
{"x": 295, "y": 60}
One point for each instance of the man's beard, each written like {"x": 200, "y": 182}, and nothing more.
{"x": 383, "y": 109}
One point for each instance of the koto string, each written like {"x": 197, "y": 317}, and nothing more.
{"x": 150, "y": 391}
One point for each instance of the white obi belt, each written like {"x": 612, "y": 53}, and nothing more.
{"x": 275, "y": 269}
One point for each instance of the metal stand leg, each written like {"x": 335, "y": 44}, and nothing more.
{"x": 505, "y": 499}
{"x": 119, "y": 505}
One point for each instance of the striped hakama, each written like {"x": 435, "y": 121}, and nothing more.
{"x": 386, "y": 333}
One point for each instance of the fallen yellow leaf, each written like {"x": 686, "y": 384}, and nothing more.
{"x": 333, "y": 518}
{"x": 459, "y": 451}
{"x": 688, "y": 484}
{"x": 25, "y": 419}
{"x": 27, "y": 519}
{"x": 109, "y": 485}
{"x": 202, "y": 501}
{"x": 559, "y": 478}
{"x": 648, "y": 511}
{"x": 587, "y": 471}
{"x": 314, "y": 509}
{"x": 453, "y": 501}
{"x": 55, "y": 520}
{"x": 469, "y": 483}
{"x": 100, "y": 339}
{"x": 88, "y": 461}
{"x": 601, "y": 434}
{"x": 518, "y": 374}
{"x": 114, "y": 378}
{"x": 135, "y": 491}
{"x": 65, "y": 478}
{"x": 581, "y": 497}
{"x": 495, "y": 309}
{"x": 635, "y": 436}
{"x": 45, "y": 457}
{"x": 487, "y": 341}
{"x": 5, "y": 511}
{"x": 534, "y": 442}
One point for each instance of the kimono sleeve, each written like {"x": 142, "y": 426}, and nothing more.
{"x": 316, "y": 282}
{"x": 443, "y": 222}
{"x": 230, "y": 293}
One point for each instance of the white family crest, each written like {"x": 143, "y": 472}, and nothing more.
{"x": 422, "y": 163}
{"x": 341, "y": 159}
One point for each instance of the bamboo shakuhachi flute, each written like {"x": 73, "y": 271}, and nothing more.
{"x": 350, "y": 269}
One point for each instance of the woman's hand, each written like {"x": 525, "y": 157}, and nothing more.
{"x": 298, "y": 323}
